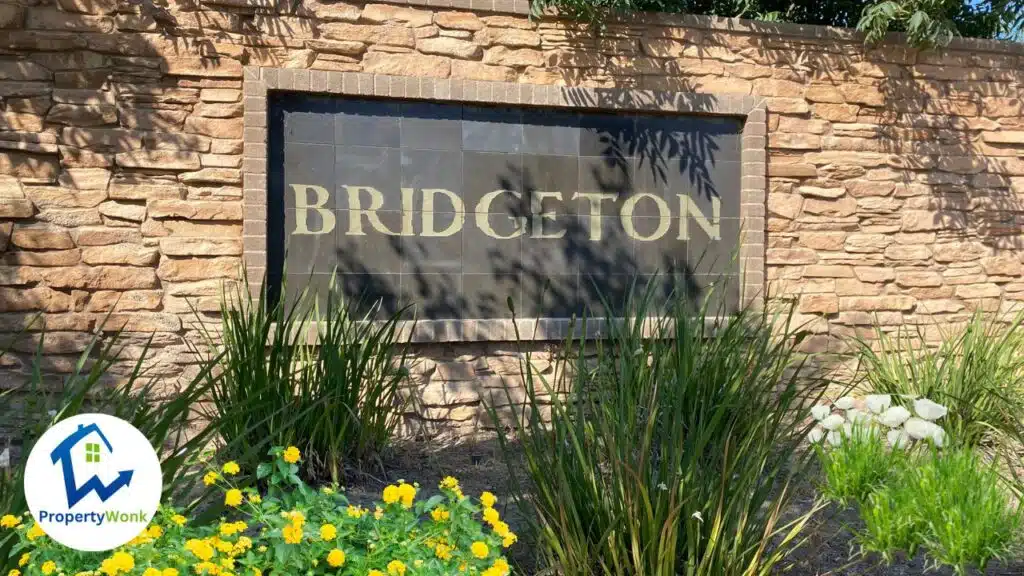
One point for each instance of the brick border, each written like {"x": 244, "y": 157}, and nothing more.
{"x": 753, "y": 156}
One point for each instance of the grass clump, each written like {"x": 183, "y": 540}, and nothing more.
{"x": 671, "y": 445}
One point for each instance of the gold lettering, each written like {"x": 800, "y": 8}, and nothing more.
{"x": 712, "y": 227}
{"x": 355, "y": 220}
{"x": 539, "y": 216}
{"x": 665, "y": 218}
{"x": 482, "y": 215}
{"x": 594, "y": 199}
{"x": 428, "y": 213}
{"x": 302, "y": 208}
{"x": 408, "y": 195}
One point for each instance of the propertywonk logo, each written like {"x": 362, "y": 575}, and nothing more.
{"x": 93, "y": 482}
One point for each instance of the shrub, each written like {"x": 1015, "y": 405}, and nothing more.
{"x": 910, "y": 494}
{"x": 977, "y": 372}
{"x": 294, "y": 529}
{"x": 672, "y": 450}
{"x": 339, "y": 400}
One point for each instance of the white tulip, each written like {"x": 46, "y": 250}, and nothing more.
{"x": 821, "y": 411}
{"x": 878, "y": 403}
{"x": 857, "y": 417}
{"x": 845, "y": 403}
{"x": 894, "y": 416}
{"x": 921, "y": 429}
{"x": 834, "y": 438}
{"x": 929, "y": 410}
{"x": 832, "y": 422}
{"x": 897, "y": 438}
{"x": 816, "y": 434}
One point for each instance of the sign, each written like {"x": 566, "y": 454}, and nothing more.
{"x": 453, "y": 208}
{"x": 93, "y": 482}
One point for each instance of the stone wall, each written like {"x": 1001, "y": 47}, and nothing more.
{"x": 895, "y": 177}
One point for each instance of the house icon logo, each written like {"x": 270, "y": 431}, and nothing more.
{"x": 93, "y": 482}
{"x": 63, "y": 454}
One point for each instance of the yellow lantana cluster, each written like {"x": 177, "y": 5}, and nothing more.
{"x": 292, "y": 532}
{"x": 405, "y": 493}
{"x": 492, "y": 517}
{"x": 117, "y": 563}
{"x": 9, "y": 521}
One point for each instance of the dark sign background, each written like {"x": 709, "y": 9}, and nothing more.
{"x": 333, "y": 142}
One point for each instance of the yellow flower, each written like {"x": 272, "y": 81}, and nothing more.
{"x": 151, "y": 572}
{"x": 48, "y": 567}
{"x": 231, "y": 468}
{"x": 155, "y": 531}
{"x": 479, "y": 549}
{"x": 500, "y": 528}
{"x": 439, "y": 514}
{"x": 169, "y": 572}
{"x": 117, "y": 563}
{"x": 488, "y": 500}
{"x": 378, "y": 513}
{"x": 396, "y": 568}
{"x": 9, "y": 521}
{"x": 407, "y": 493}
{"x": 355, "y": 512}
{"x": 14, "y": 572}
{"x": 200, "y": 549}
{"x": 255, "y": 498}
{"x": 178, "y": 519}
{"x": 335, "y": 558}
{"x": 292, "y": 534}
{"x": 210, "y": 477}
{"x": 449, "y": 483}
{"x": 292, "y": 455}
{"x": 35, "y": 532}
{"x": 233, "y": 497}
{"x": 509, "y": 540}
{"x": 390, "y": 494}
{"x": 443, "y": 551}
{"x": 491, "y": 516}
{"x": 327, "y": 490}
{"x": 328, "y": 532}
{"x": 499, "y": 568}
{"x": 24, "y": 559}
{"x": 374, "y": 573}
{"x": 295, "y": 517}
{"x": 257, "y": 572}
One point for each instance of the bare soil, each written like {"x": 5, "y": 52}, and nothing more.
{"x": 830, "y": 549}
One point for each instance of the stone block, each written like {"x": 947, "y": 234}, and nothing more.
{"x": 85, "y": 178}
{"x": 82, "y": 116}
{"x": 41, "y": 238}
{"x": 126, "y": 254}
{"x": 123, "y": 211}
{"x": 480, "y": 71}
{"x": 159, "y": 159}
{"x": 201, "y": 246}
{"x": 30, "y": 299}
{"x": 102, "y": 278}
{"x": 195, "y": 209}
{"x": 407, "y": 65}
{"x": 819, "y": 304}
{"x": 192, "y": 269}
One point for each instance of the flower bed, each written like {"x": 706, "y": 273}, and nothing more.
{"x": 294, "y": 529}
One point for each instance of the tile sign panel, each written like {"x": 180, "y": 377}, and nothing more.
{"x": 453, "y": 208}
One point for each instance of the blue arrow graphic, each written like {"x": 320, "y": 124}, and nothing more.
{"x": 76, "y": 493}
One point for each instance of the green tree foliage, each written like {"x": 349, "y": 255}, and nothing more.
{"x": 927, "y": 23}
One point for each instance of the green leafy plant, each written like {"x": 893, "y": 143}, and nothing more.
{"x": 977, "y": 372}
{"x": 860, "y": 464}
{"x": 294, "y": 529}
{"x": 671, "y": 444}
{"x": 327, "y": 381}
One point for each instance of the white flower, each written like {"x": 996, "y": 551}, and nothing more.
{"x": 5, "y": 458}
{"x": 878, "y": 403}
{"x": 52, "y": 413}
{"x": 894, "y": 416}
{"x": 821, "y": 411}
{"x": 697, "y": 516}
{"x": 816, "y": 435}
{"x": 922, "y": 429}
{"x": 662, "y": 486}
{"x": 832, "y": 422}
{"x": 857, "y": 417}
{"x": 929, "y": 410}
{"x": 845, "y": 403}
{"x": 898, "y": 438}
{"x": 834, "y": 438}
{"x": 939, "y": 437}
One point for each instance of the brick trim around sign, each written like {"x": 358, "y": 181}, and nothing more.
{"x": 259, "y": 80}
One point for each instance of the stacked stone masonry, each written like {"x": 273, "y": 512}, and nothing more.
{"x": 895, "y": 177}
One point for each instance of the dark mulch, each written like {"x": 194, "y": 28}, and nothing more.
{"x": 830, "y": 549}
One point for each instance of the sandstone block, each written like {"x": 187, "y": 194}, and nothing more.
{"x": 179, "y": 142}
{"x": 388, "y": 35}
{"x": 480, "y": 71}
{"x": 70, "y": 217}
{"x": 29, "y": 168}
{"x": 789, "y": 141}
{"x": 139, "y": 322}
{"x": 1004, "y": 137}
{"x": 212, "y": 176}
{"x": 918, "y": 278}
{"x": 24, "y": 122}
{"x": 85, "y": 178}
{"x": 39, "y": 298}
{"x": 102, "y": 138}
{"x": 23, "y": 71}
{"x": 11, "y": 15}
{"x": 203, "y": 67}
{"x": 6, "y": 228}
{"x": 836, "y": 112}
{"x": 102, "y": 278}
{"x": 201, "y": 246}
{"x": 1003, "y": 265}
{"x": 191, "y": 269}
{"x": 867, "y": 243}
{"x": 54, "y": 20}
{"x": 218, "y": 110}
{"x": 785, "y": 205}
{"x": 872, "y": 303}
{"x": 907, "y": 252}
{"x": 102, "y": 236}
{"x": 159, "y": 159}
{"x": 163, "y": 228}
{"x": 407, "y": 65}
{"x": 14, "y": 208}
{"x": 83, "y": 116}
{"x": 780, "y": 256}
{"x": 41, "y": 238}
{"x": 441, "y": 393}
{"x": 51, "y": 258}
{"x": 459, "y": 21}
{"x": 215, "y": 127}
{"x": 511, "y": 37}
{"x": 449, "y": 47}
{"x": 852, "y": 287}
{"x": 817, "y": 192}
{"x": 791, "y": 169}
{"x": 152, "y": 118}
{"x": 841, "y": 207}
{"x": 342, "y": 47}
{"x": 195, "y": 209}
{"x": 824, "y": 93}
{"x": 128, "y": 190}
{"x": 874, "y": 274}
{"x": 965, "y": 251}
{"x": 18, "y": 275}
{"x": 123, "y": 211}
{"x": 126, "y": 254}
{"x": 939, "y": 306}
{"x": 111, "y": 300}
{"x": 220, "y": 95}
{"x": 513, "y": 57}
{"x": 975, "y": 291}
{"x": 831, "y": 241}
{"x": 412, "y": 17}
{"x": 819, "y": 304}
